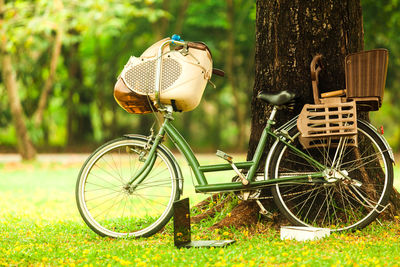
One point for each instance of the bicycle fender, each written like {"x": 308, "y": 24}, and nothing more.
{"x": 163, "y": 147}
{"x": 287, "y": 126}
{"x": 385, "y": 143}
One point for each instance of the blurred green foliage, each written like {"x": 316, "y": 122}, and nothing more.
{"x": 99, "y": 36}
{"x": 382, "y": 29}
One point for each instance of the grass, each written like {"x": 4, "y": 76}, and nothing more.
{"x": 40, "y": 225}
{"x": 396, "y": 182}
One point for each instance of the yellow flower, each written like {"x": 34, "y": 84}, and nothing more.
{"x": 305, "y": 253}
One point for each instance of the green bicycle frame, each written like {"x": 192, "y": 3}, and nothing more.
{"x": 251, "y": 166}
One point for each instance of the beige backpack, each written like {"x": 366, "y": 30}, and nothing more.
{"x": 184, "y": 76}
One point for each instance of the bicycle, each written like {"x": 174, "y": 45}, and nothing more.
{"x": 127, "y": 186}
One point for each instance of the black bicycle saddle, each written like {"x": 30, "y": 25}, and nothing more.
{"x": 278, "y": 99}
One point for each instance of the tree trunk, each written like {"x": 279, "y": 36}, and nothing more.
{"x": 288, "y": 35}
{"x": 79, "y": 125}
{"x": 230, "y": 62}
{"x": 25, "y": 146}
{"x": 161, "y": 25}
{"x": 180, "y": 19}
{"x": 55, "y": 54}
{"x": 38, "y": 116}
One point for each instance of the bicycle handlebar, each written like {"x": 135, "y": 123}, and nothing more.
{"x": 218, "y": 72}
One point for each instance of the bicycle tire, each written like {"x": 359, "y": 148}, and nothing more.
{"x": 108, "y": 207}
{"x": 335, "y": 205}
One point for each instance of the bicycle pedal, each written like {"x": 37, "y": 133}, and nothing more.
{"x": 224, "y": 156}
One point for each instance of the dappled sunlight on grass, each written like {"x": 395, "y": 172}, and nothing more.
{"x": 39, "y": 191}
{"x": 39, "y": 205}
{"x": 40, "y": 225}
{"x": 26, "y": 241}
{"x": 397, "y": 183}
{"x": 397, "y": 173}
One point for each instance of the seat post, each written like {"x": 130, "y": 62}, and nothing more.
{"x": 271, "y": 119}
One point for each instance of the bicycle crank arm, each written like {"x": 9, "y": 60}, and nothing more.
{"x": 229, "y": 159}
{"x": 241, "y": 176}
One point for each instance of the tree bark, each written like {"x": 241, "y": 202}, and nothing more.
{"x": 38, "y": 116}
{"x": 180, "y": 19}
{"x": 230, "y": 62}
{"x": 55, "y": 54}
{"x": 24, "y": 145}
{"x": 79, "y": 124}
{"x": 288, "y": 35}
{"x": 161, "y": 25}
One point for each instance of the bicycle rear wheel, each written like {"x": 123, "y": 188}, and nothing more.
{"x": 109, "y": 207}
{"x": 339, "y": 203}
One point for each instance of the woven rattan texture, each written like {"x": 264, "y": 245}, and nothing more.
{"x": 366, "y": 75}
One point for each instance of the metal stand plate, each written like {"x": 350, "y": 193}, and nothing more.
{"x": 182, "y": 233}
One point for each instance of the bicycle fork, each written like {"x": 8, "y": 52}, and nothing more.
{"x": 148, "y": 164}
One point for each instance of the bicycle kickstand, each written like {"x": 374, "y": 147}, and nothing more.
{"x": 263, "y": 211}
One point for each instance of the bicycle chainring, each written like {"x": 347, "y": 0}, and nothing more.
{"x": 254, "y": 194}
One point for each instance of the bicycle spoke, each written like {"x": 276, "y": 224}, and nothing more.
{"x": 102, "y": 196}
{"x": 113, "y": 208}
{"x": 107, "y": 172}
{"x": 352, "y": 189}
{"x": 101, "y": 187}
{"x": 118, "y": 177}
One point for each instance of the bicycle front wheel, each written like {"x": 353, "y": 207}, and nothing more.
{"x": 358, "y": 182}
{"x": 110, "y": 207}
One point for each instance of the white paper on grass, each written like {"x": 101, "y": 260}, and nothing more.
{"x": 302, "y": 233}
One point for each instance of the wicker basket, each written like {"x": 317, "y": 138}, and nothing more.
{"x": 365, "y": 78}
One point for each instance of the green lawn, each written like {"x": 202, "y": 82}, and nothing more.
{"x": 397, "y": 174}
{"x": 40, "y": 225}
